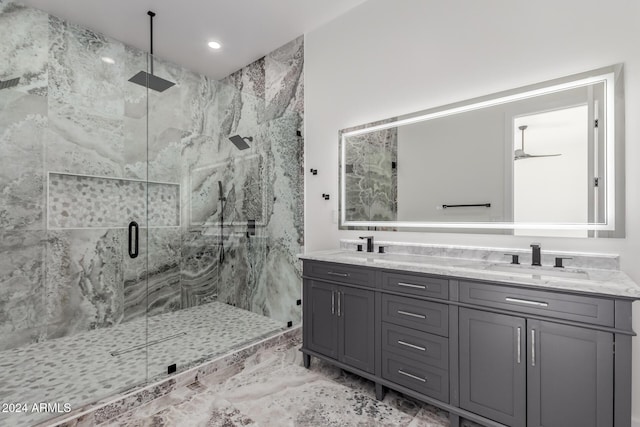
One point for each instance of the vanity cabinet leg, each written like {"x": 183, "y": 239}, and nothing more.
{"x": 379, "y": 391}
{"x": 454, "y": 420}
{"x": 306, "y": 360}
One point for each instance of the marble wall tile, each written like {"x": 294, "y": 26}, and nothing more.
{"x": 82, "y": 141}
{"x": 84, "y": 280}
{"x": 85, "y": 136}
{"x": 285, "y": 225}
{"x": 242, "y": 179}
{"x": 240, "y": 272}
{"x": 199, "y": 266}
{"x": 152, "y": 281}
{"x": 78, "y": 76}
{"x": 22, "y": 294}
{"x": 23, "y": 122}
{"x": 240, "y": 113}
{"x": 135, "y": 116}
{"x": 24, "y": 32}
{"x": 284, "y": 80}
{"x": 200, "y": 101}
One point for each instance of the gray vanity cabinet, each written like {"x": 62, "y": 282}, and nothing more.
{"x": 527, "y": 372}
{"x": 340, "y": 322}
{"x": 498, "y": 354}
{"x": 570, "y": 376}
{"x": 493, "y": 366}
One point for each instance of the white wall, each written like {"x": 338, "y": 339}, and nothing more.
{"x": 385, "y": 58}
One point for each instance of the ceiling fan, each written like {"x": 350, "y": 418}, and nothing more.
{"x": 521, "y": 154}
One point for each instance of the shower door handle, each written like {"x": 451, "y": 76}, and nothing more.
{"x": 133, "y": 239}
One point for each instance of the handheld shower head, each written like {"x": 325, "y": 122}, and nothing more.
{"x": 220, "y": 192}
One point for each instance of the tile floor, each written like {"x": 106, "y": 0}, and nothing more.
{"x": 81, "y": 369}
{"x": 272, "y": 388}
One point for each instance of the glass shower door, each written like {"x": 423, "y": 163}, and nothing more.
{"x": 73, "y": 177}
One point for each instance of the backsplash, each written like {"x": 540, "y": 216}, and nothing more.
{"x": 578, "y": 259}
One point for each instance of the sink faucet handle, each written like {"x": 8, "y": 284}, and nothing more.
{"x": 515, "y": 258}
{"x": 559, "y": 261}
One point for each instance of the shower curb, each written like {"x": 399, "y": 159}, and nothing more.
{"x": 108, "y": 409}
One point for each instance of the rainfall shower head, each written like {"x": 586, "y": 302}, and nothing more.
{"x": 240, "y": 142}
{"x": 9, "y": 83}
{"x": 148, "y": 79}
{"x": 153, "y": 82}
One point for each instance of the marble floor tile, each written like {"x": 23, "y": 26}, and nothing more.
{"x": 272, "y": 388}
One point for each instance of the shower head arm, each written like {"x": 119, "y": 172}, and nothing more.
{"x": 151, "y": 15}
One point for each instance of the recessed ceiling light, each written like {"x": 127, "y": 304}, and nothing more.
{"x": 108, "y": 60}
{"x": 214, "y": 45}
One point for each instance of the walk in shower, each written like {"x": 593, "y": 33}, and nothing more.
{"x": 87, "y": 310}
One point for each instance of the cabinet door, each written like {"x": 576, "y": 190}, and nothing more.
{"x": 356, "y": 328}
{"x": 493, "y": 366}
{"x": 322, "y": 318}
{"x": 570, "y": 376}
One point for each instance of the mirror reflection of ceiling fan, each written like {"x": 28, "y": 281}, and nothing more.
{"x": 521, "y": 154}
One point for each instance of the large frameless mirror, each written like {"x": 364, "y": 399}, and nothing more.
{"x": 544, "y": 160}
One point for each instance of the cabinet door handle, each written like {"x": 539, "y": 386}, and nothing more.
{"x": 331, "y": 273}
{"x": 339, "y": 303}
{"x": 417, "y": 347}
{"x": 333, "y": 302}
{"x": 525, "y": 301}
{"x": 406, "y": 313}
{"x": 533, "y": 347}
{"x": 406, "y": 374}
{"x": 519, "y": 344}
{"x": 410, "y": 285}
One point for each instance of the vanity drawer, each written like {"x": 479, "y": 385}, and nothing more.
{"x": 419, "y": 346}
{"x": 422, "y": 315}
{"x": 340, "y": 273}
{"x": 416, "y": 285}
{"x": 594, "y": 310}
{"x": 417, "y": 376}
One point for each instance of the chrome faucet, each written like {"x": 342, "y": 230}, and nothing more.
{"x": 369, "y": 242}
{"x": 535, "y": 254}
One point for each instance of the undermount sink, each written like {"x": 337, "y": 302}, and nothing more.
{"x": 539, "y": 271}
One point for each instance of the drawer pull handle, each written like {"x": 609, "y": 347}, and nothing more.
{"x": 331, "y": 273}
{"x": 406, "y": 374}
{"x": 409, "y": 285}
{"x": 524, "y": 301}
{"x": 417, "y": 347}
{"x": 406, "y": 313}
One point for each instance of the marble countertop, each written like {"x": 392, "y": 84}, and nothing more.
{"x": 583, "y": 280}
